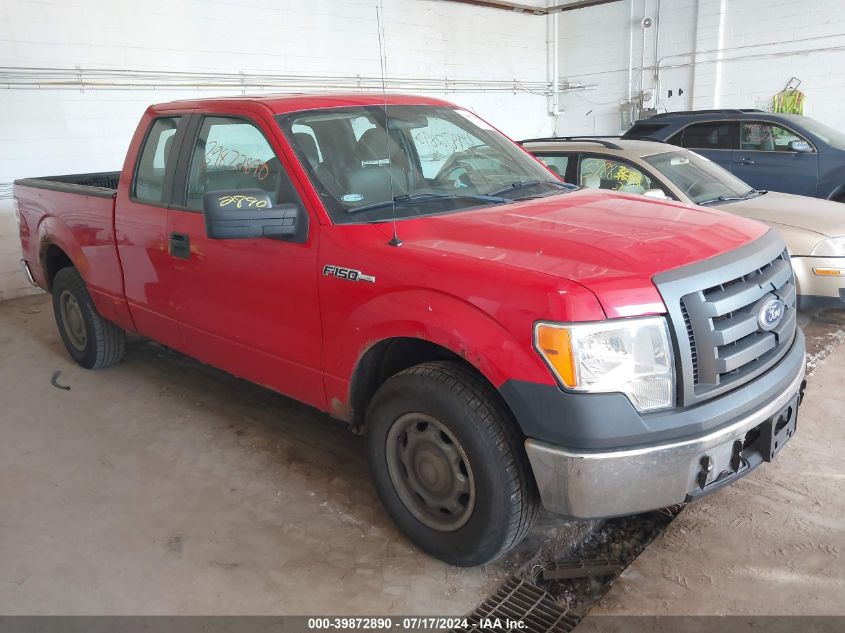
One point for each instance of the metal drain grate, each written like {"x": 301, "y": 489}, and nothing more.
{"x": 522, "y": 607}
{"x": 581, "y": 568}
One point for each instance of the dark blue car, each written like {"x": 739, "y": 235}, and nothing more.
{"x": 780, "y": 152}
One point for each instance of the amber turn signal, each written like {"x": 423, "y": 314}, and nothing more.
{"x": 828, "y": 272}
{"x": 555, "y": 344}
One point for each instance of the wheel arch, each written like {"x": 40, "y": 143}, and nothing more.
{"x": 388, "y": 357}
{"x": 53, "y": 259}
{"x": 398, "y": 330}
{"x": 58, "y": 249}
{"x": 838, "y": 194}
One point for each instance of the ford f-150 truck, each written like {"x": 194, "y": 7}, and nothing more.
{"x": 504, "y": 340}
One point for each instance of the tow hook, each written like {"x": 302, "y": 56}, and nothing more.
{"x": 706, "y": 464}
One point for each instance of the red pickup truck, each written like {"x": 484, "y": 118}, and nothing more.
{"x": 505, "y": 340}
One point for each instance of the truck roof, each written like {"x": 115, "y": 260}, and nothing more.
{"x": 284, "y": 103}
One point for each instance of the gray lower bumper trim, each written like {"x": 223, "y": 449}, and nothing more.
{"x": 587, "y": 485}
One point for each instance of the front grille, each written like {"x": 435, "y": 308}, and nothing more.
{"x": 691, "y": 338}
{"x": 723, "y": 321}
{"x": 715, "y": 307}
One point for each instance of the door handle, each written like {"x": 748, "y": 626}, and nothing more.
{"x": 746, "y": 161}
{"x": 180, "y": 245}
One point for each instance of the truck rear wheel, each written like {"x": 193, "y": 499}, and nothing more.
{"x": 448, "y": 463}
{"x": 90, "y": 340}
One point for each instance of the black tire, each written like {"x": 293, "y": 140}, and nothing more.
{"x": 502, "y": 503}
{"x": 90, "y": 340}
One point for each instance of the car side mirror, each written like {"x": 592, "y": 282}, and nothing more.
{"x": 656, "y": 193}
{"x": 800, "y": 146}
{"x": 240, "y": 214}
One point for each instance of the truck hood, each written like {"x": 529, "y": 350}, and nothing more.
{"x": 613, "y": 244}
{"x": 823, "y": 217}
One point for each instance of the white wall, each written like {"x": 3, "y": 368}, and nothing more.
{"x": 48, "y": 131}
{"x": 762, "y": 43}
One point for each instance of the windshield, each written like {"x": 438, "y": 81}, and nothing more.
{"x": 702, "y": 180}
{"x": 829, "y": 135}
{"x": 417, "y": 159}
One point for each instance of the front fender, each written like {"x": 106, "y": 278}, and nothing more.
{"x": 445, "y": 320}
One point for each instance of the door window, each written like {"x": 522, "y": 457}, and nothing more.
{"x": 232, "y": 153}
{"x": 766, "y": 137}
{"x": 606, "y": 173}
{"x": 156, "y": 155}
{"x": 714, "y": 135}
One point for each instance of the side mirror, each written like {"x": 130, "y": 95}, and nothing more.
{"x": 800, "y": 146}
{"x": 656, "y": 193}
{"x": 249, "y": 214}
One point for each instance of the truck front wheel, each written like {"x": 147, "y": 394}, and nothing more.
{"x": 449, "y": 465}
{"x": 91, "y": 341}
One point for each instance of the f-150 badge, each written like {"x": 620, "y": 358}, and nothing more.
{"x": 349, "y": 274}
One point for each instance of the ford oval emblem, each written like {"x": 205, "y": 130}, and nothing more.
{"x": 771, "y": 314}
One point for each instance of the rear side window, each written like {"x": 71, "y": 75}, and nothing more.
{"x": 556, "y": 164}
{"x": 156, "y": 155}
{"x": 713, "y": 135}
{"x": 232, "y": 153}
{"x": 641, "y": 130}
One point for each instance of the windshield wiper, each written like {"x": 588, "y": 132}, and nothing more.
{"x": 753, "y": 193}
{"x": 411, "y": 198}
{"x": 522, "y": 184}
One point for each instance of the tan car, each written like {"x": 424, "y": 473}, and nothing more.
{"x": 814, "y": 229}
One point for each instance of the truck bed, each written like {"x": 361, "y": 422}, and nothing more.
{"x": 77, "y": 212}
{"x": 101, "y": 184}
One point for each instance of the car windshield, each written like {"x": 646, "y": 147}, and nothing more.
{"x": 829, "y": 135}
{"x": 701, "y": 180}
{"x": 370, "y": 164}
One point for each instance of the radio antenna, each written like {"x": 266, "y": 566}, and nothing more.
{"x": 394, "y": 241}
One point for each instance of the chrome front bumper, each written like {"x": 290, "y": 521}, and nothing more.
{"x": 588, "y": 485}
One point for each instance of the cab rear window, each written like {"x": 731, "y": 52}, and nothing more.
{"x": 153, "y": 160}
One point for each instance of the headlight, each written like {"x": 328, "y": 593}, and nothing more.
{"x": 631, "y": 356}
{"x": 831, "y": 247}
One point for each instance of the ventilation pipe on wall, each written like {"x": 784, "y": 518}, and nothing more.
{"x": 530, "y": 9}
{"x": 554, "y": 44}
{"x": 631, "y": 51}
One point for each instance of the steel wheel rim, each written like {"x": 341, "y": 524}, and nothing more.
{"x": 430, "y": 472}
{"x": 72, "y": 320}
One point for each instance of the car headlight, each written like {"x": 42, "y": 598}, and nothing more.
{"x": 631, "y": 356}
{"x": 831, "y": 247}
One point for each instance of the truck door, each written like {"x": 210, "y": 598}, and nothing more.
{"x": 141, "y": 221}
{"x": 773, "y": 157}
{"x": 248, "y": 306}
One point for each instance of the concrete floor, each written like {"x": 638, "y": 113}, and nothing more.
{"x": 161, "y": 486}
{"x": 770, "y": 544}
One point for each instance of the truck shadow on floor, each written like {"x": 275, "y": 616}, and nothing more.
{"x": 323, "y": 448}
